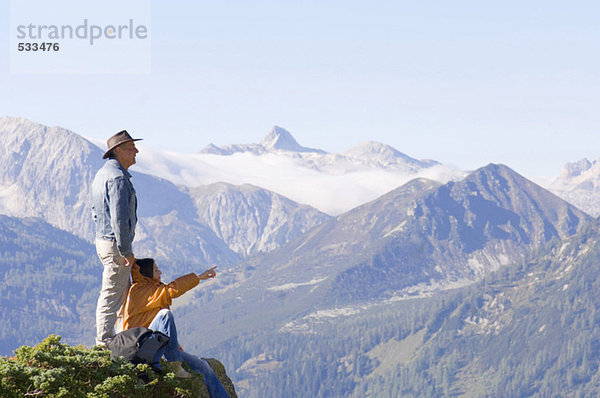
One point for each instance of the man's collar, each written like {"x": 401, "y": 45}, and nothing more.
{"x": 116, "y": 163}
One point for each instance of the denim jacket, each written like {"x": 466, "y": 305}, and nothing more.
{"x": 114, "y": 206}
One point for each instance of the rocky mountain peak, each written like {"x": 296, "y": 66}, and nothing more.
{"x": 575, "y": 169}
{"x": 277, "y": 139}
{"x": 280, "y": 138}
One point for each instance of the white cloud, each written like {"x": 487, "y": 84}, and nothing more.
{"x": 329, "y": 182}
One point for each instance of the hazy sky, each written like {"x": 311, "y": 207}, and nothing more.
{"x": 462, "y": 82}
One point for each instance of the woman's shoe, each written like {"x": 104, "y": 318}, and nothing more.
{"x": 180, "y": 372}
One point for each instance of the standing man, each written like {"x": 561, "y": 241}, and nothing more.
{"x": 114, "y": 211}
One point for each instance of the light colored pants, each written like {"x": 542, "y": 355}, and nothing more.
{"x": 115, "y": 285}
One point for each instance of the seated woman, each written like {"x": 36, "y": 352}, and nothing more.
{"x": 147, "y": 305}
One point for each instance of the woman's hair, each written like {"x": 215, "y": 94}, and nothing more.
{"x": 146, "y": 266}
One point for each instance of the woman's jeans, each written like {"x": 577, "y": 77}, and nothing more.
{"x": 164, "y": 322}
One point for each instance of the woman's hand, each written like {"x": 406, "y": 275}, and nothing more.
{"x": 208, "y": 274}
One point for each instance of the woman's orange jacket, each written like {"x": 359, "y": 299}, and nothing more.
{"x": 147, "y": 296}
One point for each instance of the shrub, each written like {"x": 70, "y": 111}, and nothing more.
{"x": 55, "y": 369}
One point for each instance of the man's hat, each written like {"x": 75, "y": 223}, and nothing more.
{"x": 120, "y": 138}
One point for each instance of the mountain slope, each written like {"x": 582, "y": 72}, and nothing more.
{"x": 46, "y": 172}
{"x": 251, "y": 220}
{"x": 528, "y": 329}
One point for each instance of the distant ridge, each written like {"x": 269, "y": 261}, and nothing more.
{"x": 381, "y": 155}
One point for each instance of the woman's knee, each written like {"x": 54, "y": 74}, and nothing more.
{"x": 165, "y": 313}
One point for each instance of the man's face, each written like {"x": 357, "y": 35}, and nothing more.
{"x": 125, "y": 154}
{"x": 156, "y": 272}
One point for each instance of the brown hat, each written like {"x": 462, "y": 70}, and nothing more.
{"x": 120, "y": 138}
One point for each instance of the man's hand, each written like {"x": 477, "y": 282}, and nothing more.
{"x": 129, "y": 260}
{"x": 208, "y": 274}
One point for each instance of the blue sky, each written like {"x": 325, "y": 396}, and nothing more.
{"x": 464, "y": 82}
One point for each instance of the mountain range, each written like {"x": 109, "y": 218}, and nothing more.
{"x": 380, "y": 298}
{"x": 370, "y": 153}
{"x": 330, "y": 182}
{"x": 420, "y": 238}
{"x": 424, "y": 240}
{"x": 47, "y": 173}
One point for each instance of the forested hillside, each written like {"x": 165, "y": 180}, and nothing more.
{"x": 49, "y": 281}
{"x": 531, "y": 329}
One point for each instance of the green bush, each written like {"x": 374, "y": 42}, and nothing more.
{"x": 55, "y": 369}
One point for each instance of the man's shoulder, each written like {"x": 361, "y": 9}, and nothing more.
{"x": 111, "y": 170}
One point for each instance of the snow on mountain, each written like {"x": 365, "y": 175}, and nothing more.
{"x": 332, "y": 183}
{"x": 579, "y": 183}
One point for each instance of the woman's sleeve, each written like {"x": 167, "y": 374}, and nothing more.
{"x": 182, "y": 285}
